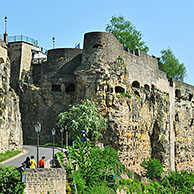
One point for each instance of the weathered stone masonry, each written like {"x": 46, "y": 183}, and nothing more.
{"x": 148, "y": 114}
{"x": 10, "y": 117}
{"x": 44, "y": 181}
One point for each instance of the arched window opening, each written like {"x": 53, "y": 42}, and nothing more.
{"x": 137, "y": 94}
{"x": 147, "y": 87}
{"x": 177, "y": 93}
{"x": 119, "y": 89}
{"x": 99, "y": 46}
{"x": 1, "y": 60}
{"x": 70, "y": 88}
{"x": 136, "y": 84}
{"x": 190, "y": 97}
{"x": 56, "y": 88}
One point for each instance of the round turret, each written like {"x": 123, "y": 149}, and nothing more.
{"x": 100, "y": 46}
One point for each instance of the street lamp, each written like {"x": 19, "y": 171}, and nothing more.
{"x": 53, "y": 134}
{"x": 5, "y": 24}
{"x": 62, "y": 130}
{"x": 53, "y": 39}
{"x": 37, "y": 128}
{"x": 5, "y": 34}
{"x": 66, "y": 135}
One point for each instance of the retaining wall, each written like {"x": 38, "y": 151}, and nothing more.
{"x": 45, "y": 181}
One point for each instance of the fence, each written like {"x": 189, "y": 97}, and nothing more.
{"x": 23, "y": 38}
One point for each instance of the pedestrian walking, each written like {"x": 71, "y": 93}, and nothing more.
{"x": 26, "y": 163}
{"x": 41, "y": 163}
{"x": 33, "y": 162}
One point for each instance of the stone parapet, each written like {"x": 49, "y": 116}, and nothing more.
{"x": 44, "y": 181}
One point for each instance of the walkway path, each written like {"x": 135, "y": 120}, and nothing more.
{"x": 28, "y": 151}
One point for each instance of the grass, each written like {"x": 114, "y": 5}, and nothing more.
{"x": 8, "y": 154}
{"x": 51, "y": 144}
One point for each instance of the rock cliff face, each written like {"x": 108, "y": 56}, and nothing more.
{"x": 10, "y": 117}
{"x": 149, "y": 115}
{"x": 138, "y": 116}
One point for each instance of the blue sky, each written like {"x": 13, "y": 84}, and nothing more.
{"x": 163, "y": 23}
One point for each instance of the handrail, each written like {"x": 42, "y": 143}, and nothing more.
{"x": 18, "y": 38}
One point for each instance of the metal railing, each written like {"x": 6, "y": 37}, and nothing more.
{"x": 23, "y": 38}
{"x": 43, "y": 50}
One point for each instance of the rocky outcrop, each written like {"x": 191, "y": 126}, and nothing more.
{"x": 138, "y": 117}
{"x": 10, "y": 117}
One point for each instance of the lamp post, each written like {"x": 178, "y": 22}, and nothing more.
{"x": 66, "y": 135}
{"x": 53, "y": 39}
{"x": 5, "y": 24}
{"x": 62, "y": 130}
{"x": 37, "y": 128}
{"x": 5, "y": 34}
{"x": 53, "y": 134}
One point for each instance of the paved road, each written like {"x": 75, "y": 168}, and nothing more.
{"x": 28, "y": 151}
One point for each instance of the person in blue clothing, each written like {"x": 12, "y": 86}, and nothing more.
{"x": 27, "y": 163}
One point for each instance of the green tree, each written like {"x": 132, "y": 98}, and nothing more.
{"x": 170, "y": 64}
{"x": 84, "y": 116}
{"x": 126, "y": 34}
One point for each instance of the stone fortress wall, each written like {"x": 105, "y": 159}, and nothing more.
{"x": 144, "y": 125}
{"x": 154, "y": 116}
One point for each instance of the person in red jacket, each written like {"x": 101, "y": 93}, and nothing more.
{"x": 41, "y": 163}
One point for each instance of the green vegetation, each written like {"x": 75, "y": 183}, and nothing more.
{"x": 84, "y": 116}
{"x": 99, "y": 169}
{"x": 154, "y": 168}
{"x": 174, "y": 182}
{"x": 138, "y": 187}
{"x": 51, "y": 144}
{"x": 170, "y": 64}
{"x": 10, "y": 180}
{"x": 131, "y": 39}
{"x": 125, "y": 94}
{"x": 126, "y": 34}
{"x": 8, "y": 154}
{"x": 179, "y": 182}
{"x": 60, "y": 157}
{"x": 96, "y": 168}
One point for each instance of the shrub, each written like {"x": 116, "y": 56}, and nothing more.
{"x": 154, "y": 168}
{"x": 10, "y": 180}
{"x": 179, "y": 182}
